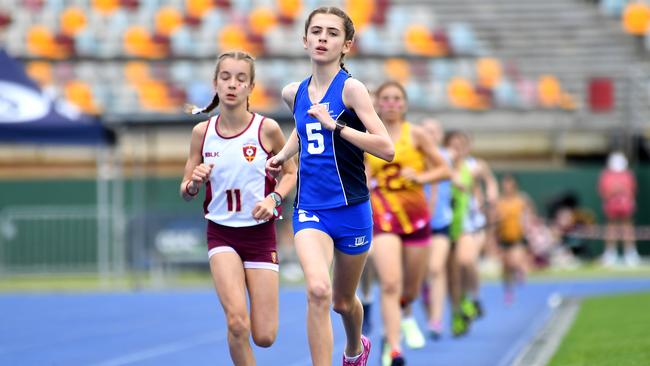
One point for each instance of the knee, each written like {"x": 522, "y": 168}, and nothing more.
{"x": 391, "y": 288}
{"x": 344, "y": 305}
{"x": 264, "y": 340}
{"x": 319, "y": 294}
{"x": 238, "y": 325}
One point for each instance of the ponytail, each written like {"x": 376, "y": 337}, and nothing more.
{"x": 192, "y": 109}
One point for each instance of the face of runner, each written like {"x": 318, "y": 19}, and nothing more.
{"x": 233, "y": 82}
{"x": 391, "y": 103}
{"x": 325, "y": 38}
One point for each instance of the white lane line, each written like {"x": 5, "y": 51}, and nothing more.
{"x": 164, "y": 349}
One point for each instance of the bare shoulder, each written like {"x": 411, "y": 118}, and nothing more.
{"x": 353, "y": 86}
{"x": 270, "y": 126}
{"x": 199, "y": 128}
{"x": 289, "y": 92}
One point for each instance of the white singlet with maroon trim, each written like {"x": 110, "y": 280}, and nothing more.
{"x": 238, "y": 179}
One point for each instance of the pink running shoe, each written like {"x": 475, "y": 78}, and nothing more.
{"x": 365, "y": 354}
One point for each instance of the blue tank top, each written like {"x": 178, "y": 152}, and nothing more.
{"x": 331, "y": 172}
{"x": 442, "y": 213}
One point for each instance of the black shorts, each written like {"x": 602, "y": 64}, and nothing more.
{"x": 443, "y": 231}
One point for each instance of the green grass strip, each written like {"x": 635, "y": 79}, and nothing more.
{"x": 610, "y": 330}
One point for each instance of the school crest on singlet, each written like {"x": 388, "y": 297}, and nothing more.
{"x": 250, "y": 150}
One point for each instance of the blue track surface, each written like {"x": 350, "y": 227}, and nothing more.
{"x": 188, "y": 328}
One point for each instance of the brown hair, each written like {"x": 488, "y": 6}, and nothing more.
{"x": 389, "y": 83}
{"x": 237, "y": 55}
{"x": 348, "y": 26}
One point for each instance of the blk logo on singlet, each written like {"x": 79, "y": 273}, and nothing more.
{"x": 359, "y": 241}
{"x": 249, "y": 151}
{"x": 211, "y": 154}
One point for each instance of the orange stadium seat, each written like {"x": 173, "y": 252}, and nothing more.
{"x": 488, "y": 72}
{"x": 460, "y": 93}
{"x": 549, "y": 91}
{"x": 261, "y": 19}
{"x": 636, "y": 18}
{"x": 137, "y": 72}
{"x": 79, "y": 93}
{"x": 153, "y": 96}
{"x": 137, "y": 42}
{"x": 233, "y": 37}
{"x": 40, "y": 71}
{"x": 397, "y": 69}
{"x": 72, "y": 20}
{"x": 198, "y": 8}
{"x": 259, "y": 98}
{"x": 40, "y": 42}
{"x": 106, "y": 6}
{"x": 360, "y": 11}
{"x": 167, "y": 20}
{"x": 288, "y": 10}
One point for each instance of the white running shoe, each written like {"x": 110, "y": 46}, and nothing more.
{"x": 412, "y": 335}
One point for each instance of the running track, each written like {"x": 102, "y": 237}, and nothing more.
{"x": 187, "y": 328}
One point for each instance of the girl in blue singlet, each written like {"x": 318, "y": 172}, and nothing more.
{"x": 335, "y": 124}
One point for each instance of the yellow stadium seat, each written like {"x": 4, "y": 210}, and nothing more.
{"x": 40, "y": 71}
{"x": 106, "y": 6}
{"x": 489, "y": 72}
{"x": 261, "y": 19}
{"x": 198, "y": 8}
{"x": 168, "y": 19}
{"x": 549, "y": 91}
{"x": 397, "y": 69}
{"x": 636, "y": 18}
{"x": 72, "y": 20}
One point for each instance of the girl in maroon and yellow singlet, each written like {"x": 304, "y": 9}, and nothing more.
{"x": 400, "y": 213}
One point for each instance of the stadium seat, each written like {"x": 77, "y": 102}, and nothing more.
{"x": 168, "y": 20}
{"x": 198, "y": 8}
{"x": 505, "y": 95}
{"x": 40, "y": 71}
{"x": 460, "y": 93}
{"x": 288, "y": 10}
{"x": 105, "y": 6}
{"x": 233, "y": 37}
{"x": 182, "y": 43}
{"x": 488, "y": 72}
{"x": 360, "y": 11}
{"x": 549, "y": 91}
{"x": 612, "y": 8}
{"x": 397, "y": 69}
{"x": 137, "y": 42}
{"x": 72, "y": 20}
{"x": 461, "y": 37}
{"x": 40, "y": 42}
{"x": 419, "y": 41}
{"x": 261, "y": 19}
{"x": 80, "y": 94}
{"x": 636, "y": 18}
{"x": 5, "y": 20}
